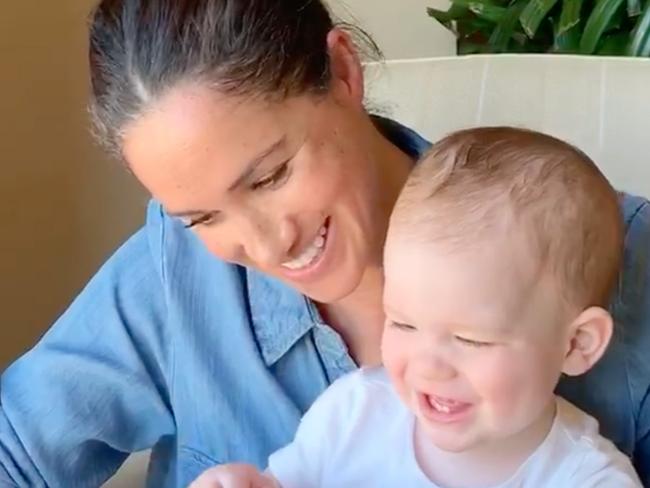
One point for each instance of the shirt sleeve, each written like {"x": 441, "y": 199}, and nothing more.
{"x": 93, "y": 389}
{"x": 303, "y": 463}
{"x": 635, "y": 327}
{"x": 642, "y": 451}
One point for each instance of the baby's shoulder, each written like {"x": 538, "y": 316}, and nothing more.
{"x": 583, "y": 456}
{"x": 366, "y": 394}
{"x": 362, "y": 385}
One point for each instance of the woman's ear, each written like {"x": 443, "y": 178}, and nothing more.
{"x": 588, "y": 338}
{"x": 345, "y": 67}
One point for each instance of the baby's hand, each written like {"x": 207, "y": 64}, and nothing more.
{"x": 234, "y": 476}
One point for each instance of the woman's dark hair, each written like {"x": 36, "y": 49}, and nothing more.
{"x": 141, "y": 48}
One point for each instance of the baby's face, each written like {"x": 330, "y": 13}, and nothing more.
{"x": 475, "y": 339}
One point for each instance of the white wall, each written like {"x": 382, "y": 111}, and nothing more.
{"x": 599, "y": 104}
{"x": 401, "y": 28}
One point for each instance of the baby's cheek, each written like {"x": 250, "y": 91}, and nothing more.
{"x": 514, "y": 396}
{"x": 396, "y": 364}
{"x": 395, "y": 367}
{"x": 393, "y": 351}
{"x": 401, "y": 388}
{"x": 501, "y": 385}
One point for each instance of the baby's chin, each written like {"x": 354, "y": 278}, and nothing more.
{"x": 451, "y": 442}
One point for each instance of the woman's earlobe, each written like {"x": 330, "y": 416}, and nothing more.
{"x": 589, "y": 336}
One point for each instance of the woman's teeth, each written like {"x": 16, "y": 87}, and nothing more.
{"x": 310, "y": 253}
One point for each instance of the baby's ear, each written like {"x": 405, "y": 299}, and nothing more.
{"x": 588, "y": 337}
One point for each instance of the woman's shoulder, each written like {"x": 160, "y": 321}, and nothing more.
{"x": 631, "y": 303}
{"x": 631, "y": 205}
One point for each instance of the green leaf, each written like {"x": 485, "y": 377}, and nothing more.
{"x": 473, "y": 25}
{"x": 640, "y": 38}
{"x": 570, "y": 16}
{"x": 534, "y": 14}
{"x": 568, "y": 42}
{"x": 505, "y": 28}
{"x": 603, "y": 27}
{"x": 446, "y": 18}
{"x": 484, "y": 9}
{"x": 474, "y": 30}
{"x": 520, "y": 38}
{"x": 614, "y": 45}
{"x": 597, "y": 24}
{"x": 617, "y": 22}
{"x": 487, "y": 12}
{"x": 633, "y": 8}
{"x": 477, "y": 3}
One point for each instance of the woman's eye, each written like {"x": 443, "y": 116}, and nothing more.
{"x": 400, "y": 326}
{"x": 274, "y": 179}
{"x": 205, "y": 219}
{"x": 472, "y": 343}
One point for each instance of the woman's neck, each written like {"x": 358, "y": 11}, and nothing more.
{"x": 359, "y": 317}
{"x": 394, "y": 167}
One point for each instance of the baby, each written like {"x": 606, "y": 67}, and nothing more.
{"x": 502, "y": 253}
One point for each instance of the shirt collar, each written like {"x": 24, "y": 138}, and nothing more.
{"x": 405, "y": 138}
{"x": 281, "y": 316}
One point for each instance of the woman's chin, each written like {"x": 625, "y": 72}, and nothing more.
{"x": 332, "y": 289}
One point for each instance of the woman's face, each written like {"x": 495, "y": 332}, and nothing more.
{"x": 289, "y": 188}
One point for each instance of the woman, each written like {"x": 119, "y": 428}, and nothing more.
{"x": 256, "y": 280}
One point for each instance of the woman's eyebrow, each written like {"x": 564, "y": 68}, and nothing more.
{"x": 256, "y": 161}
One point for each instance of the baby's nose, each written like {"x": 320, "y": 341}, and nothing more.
{"x": 436, "y": 368}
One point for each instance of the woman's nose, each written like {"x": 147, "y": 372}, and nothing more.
{"x": 267, "y": 243}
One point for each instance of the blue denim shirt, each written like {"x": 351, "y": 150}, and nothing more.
{"x": 206, "y": 362}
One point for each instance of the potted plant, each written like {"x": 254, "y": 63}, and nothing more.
{"x": 602, "y": 27}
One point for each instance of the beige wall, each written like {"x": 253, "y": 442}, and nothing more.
{"x": 401, "y": 28}
{"x": 599, "y": 104}
{"x": 63, "y": 207}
